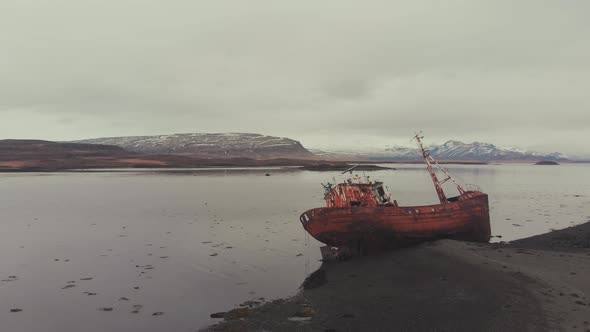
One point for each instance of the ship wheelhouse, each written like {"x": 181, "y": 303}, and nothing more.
{"x": 351, "y": 194}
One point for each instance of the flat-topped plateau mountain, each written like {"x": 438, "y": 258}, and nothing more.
{"x": 39, "y": 155}
{"x": 216, "y": 145}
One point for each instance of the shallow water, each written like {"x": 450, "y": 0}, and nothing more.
{"x": 194, "y": 242}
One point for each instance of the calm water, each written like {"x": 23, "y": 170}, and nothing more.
{"x": 191, "y": 243}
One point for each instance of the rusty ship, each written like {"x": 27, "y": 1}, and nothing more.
{"x": 360, "y": 214}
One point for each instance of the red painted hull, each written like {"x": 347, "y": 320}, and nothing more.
{"x": 465, "y": 217}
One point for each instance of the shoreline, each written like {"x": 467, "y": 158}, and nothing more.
{"x": 311, "y": 168}
{"x": 538, "y": 283}
{"x": 25, "y": 166}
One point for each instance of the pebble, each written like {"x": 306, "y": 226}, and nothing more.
{"x": 136, "y": 308}
{"x": 10, "y": 278}
{"x": 238, "y": 313}
{"x": 250, "y": 304}
{"x": 218, "y": 315}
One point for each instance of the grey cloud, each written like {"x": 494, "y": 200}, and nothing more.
{"x": 325, "y": 72}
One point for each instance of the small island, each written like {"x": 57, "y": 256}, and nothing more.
{"x": 547, "y": 162}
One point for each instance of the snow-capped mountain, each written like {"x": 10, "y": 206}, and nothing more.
{"x": 213, "y": 145}
{"x": 485, "y": 151}
{"x": 452, "y": 150}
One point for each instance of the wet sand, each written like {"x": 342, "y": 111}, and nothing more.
{"x": 535, "y": 284}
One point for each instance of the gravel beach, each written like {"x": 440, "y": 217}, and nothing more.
{"x": 535, "y": 284}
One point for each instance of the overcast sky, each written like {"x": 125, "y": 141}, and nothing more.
{"x": 328, "y": 73}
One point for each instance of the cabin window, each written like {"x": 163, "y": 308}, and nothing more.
{"x": 433, "y": 210}
{"x": 417, "y": 211}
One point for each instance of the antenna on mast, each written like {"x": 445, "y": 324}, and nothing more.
{"x": 429, "y": 161}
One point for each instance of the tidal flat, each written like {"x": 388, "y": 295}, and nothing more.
{"x": 146, "y": 250}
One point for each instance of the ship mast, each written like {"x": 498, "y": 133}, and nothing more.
{"x": 429, "y": 161}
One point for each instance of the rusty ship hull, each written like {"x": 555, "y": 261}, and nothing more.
{"x": 465, "y": 217}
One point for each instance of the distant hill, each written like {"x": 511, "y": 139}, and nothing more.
{"x": 38, "y": 155}
{"x": 208, "y": 150}
{"x": 11, "y": 149}
{"x": 24, "y": 154}
{"x": 450, "y": 150}
{"x": 218, "y": 145}
{"x": 547, "y": 163}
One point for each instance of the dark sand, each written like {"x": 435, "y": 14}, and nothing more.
{"x": 540, "y": 283}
